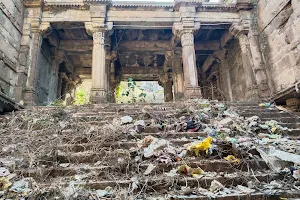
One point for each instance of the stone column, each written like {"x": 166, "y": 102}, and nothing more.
{"x": 259, "y": 65}
{"x": 98, "y": 92}
{"x": 240, "y": 32}
{"x": 178, "y": 78}
{"x": 225, "y": 67}
{"x": 57, "y": 59}
{"x": 168, "y": 92}
{"x": 192, "y": 89}
{"x": 59, "y": 85}
{"x": 33, "y": 54}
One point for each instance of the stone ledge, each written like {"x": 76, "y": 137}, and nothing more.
{"x": 10, "y": 17}
{"x": 7, "y": 104}
{"x": 8, "y": 62}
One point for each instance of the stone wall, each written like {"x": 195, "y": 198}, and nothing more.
{"x": 11, "y": 22}
{"x": 235, "y": 76}
{"x": 279, "y": 25}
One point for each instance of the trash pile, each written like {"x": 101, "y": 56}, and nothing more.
{"x": 192, "y": 149}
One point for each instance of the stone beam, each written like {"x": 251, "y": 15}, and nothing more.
{"x": 212, "y": 59}
{"x": 87, "y": 45}
{"x": 211, "y": 45}
{"x": 165, "y": 45}
{"x": 216, "y": 17}
{"x": 68, "y": 15}
{"x": 76, "y": 45}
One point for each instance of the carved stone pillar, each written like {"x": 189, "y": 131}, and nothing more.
{"x": 98, "y": 92}
{"x": 240, "y": 32}
{"x": 178, "y": 78}
{"x": 192, "y": 89}
{"x": 33, "y": 54}
{"x": 57, "y": 59}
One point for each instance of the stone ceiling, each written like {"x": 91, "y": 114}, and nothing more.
{"x": 136, "y": 48}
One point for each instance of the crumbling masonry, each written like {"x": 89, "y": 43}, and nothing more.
{"x": 240, "y": 51}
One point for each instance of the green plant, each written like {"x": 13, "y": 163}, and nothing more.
{"x": 57, "y": 102}
{"x": 80, "y": 97}
{"x": 132, "y": 87}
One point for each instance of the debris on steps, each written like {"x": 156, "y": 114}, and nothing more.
{"x": 196, "y": 149}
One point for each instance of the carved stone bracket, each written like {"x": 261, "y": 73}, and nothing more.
{"x": 45, "y": 29}
{"x": 237, "y": 29}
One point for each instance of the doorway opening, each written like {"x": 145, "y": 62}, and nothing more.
{"x": 131, "y": 91}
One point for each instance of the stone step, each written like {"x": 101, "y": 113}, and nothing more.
{"x": 163, "y": 183}
{"x": 267, "y": 114}
{"x": 290, "y": 195}
{"x": 125, "y": 144}
{"x": 218, "y": 166}
{"x": 282, "y": 119}
{"x": 165, "y": 135}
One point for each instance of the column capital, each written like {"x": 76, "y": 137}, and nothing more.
{"x": 187, "y": 38}
{"x": 35, "y": 25}
{"x": 98, "y": 25}
{"x": 238, "y": 29}
{"x": 186, "y": 27}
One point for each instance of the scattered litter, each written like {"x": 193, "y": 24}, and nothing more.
{"x": 139, "y": 126}
{"x": 273, "y": 157}
{"x": 4, "y": 172}
{"x": 149, "y": 169}
{"x": 194, "y": 172}
{"x": 209, "y": 130}
{"x": 126, "y": 120}
{"x": 4, "y": 183}
{"x": 172, "y": 173}
{"x": 232, "y": 159}
{"x": 20, "y": 186}
{"x": 265, "y": 104}
{"x": 145, "y": 142}
{"x": 296, "y": 174}
{"x": 134, "y": 185}
{"x": 155, "y": 145}
{"x": 108, "y": 191}
{"x": 216, "y": 186}
{"x": 245, "y": 190}
{"x": 205, "y": 145}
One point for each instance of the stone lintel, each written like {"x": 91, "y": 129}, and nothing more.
{"x": 33, "y": 3}
{"x": 98, "y": 11}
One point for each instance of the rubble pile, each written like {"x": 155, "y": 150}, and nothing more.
{"x": 196, "y": 149}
